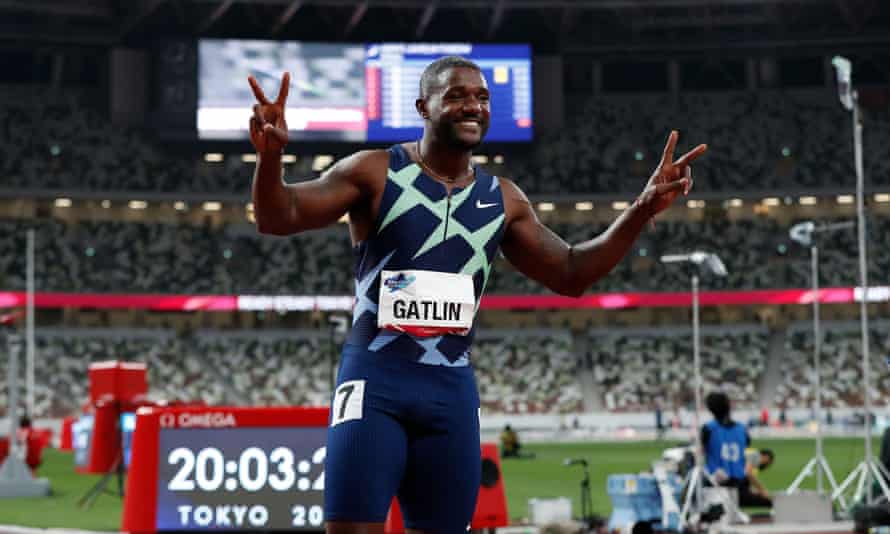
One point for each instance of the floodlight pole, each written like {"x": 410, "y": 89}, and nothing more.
{"x": 696, "y": 361}
{"x": 863, "y": 277}
{"x": 818, "y": 462}
{"x": 29, "y": 327}
{"x": 869, "y": 467}
{"x": 817, "y": 359}
{"x": 695, "y": 481}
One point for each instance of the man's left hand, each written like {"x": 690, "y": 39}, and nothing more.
{"x": 670, "y": 177}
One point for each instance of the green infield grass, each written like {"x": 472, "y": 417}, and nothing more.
{"x": 542, "y": 477}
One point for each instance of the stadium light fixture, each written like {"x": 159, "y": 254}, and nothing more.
{"x": 736, "y": 203}
{"x": 106, "y": 203}
{"x": 845, "y": 199}
{"x": 620, "y": 205}
{"x": 807, "y": 201}
{"x": 63, "y": 203}
{"x": 695, "y": 204}
{"x": 546, "y": 206}
{"x": 213, "y": 157}
{"x": 882, "y": 197}
{"x": 803, "y": 233}
{"x": 212, "y": 205}
{"x": 289, "y": 158}
{"x": 480, "y": 159}
{"x": 709, "y": 262}
{"x": 180, "y": 205}
{"x": 499, "y": 159}
{"x": 584, "y": 206}
{"x": 771, "y": 201}
{"x": 870, "y": 469}
{"x": 137, "y": 204}
{"x": 248, "y": 158}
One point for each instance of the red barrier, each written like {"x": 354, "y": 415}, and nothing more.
{"x": 65, "y": 438}
{"x": 198, "y": 468}
{"x": 115, "y": 387}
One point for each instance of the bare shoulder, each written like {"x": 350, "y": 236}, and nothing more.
{"x": 366, "y": 168}
{"x": 516, "y": 203}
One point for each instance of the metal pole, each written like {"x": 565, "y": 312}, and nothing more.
{"x": 696, "y": 350}
{"x": 863, "y": 283}
{"x": 13, "y": 346}
{"x": 696, "y": 364}
{"x": 29, "y": 326}
{"x": 817, "y": 352}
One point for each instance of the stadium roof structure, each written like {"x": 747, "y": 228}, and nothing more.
{"x": 598, "y": 27}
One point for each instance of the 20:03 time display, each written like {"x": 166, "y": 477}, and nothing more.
{"x": 253, "y": 470}
{"x": 241, "y": 479}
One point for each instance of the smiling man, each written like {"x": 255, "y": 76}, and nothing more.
{"x": 426, "y": 225}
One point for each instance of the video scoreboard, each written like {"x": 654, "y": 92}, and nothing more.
{"x": 352, "y": 92}
{"x": 226, "y": 468}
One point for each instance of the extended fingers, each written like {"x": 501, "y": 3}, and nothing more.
{"x": 690, "y": 156}
{"x": 688, "y": 177}
{"x": 282, "y": 92}
{"x": 257, "y": 90}
{"x": 668, "y": 154}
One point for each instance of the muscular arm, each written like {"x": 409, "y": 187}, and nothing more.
{"x": 283, "y": 209}
{"x": 566, "y": 269}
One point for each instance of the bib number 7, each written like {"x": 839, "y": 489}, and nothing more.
{"x": 348, "y": 400}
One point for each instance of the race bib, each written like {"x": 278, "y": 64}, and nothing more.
{"x": 426, "y": 303}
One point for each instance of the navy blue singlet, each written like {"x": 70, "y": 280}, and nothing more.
{"x": 404, "y": 416}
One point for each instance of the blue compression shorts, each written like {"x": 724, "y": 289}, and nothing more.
{"x": 399, "y": 427}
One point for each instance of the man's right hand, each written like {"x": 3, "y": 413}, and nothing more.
{"x": 268, "y": 129}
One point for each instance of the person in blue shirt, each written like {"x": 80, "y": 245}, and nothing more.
{"x": 724, "y": 442}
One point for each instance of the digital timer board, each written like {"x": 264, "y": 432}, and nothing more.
{"x": 235, "y": 469}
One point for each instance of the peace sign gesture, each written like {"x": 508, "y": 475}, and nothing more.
{"x": 268, "y": 130}
{"x": 670, "y": 177}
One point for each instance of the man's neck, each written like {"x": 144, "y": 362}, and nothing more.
{"x": 443, "y": 160}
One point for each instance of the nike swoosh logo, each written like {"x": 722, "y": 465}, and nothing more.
{"x": 480, "y": 205}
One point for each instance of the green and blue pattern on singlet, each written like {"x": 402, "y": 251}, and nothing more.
{"x": 420, "y": 227}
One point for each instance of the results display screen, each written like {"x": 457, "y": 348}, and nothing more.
{"x": 241, "y": 478}
{"x": 349, "y": 92}
{"x": 394, "y": 69}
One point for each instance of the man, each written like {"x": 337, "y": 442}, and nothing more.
{"x": 724, "y": 442}
{"x": 509, "y": 443}
{"x": 426, "y": 225}
{"x": 756, "y": 461}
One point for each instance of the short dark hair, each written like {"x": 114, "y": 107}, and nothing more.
{"x": 718, "y": 404}
{"x": 770, "y": 453}
{"x": 431, "y": 73}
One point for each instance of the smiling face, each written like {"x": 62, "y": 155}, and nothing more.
{"x": 458, "y": 107}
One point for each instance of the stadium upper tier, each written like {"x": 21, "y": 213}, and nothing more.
{"x": 764, "y": 141}
{"x": 143, "y": 257}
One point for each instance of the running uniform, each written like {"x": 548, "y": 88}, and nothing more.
{"x": 405, "y": 413}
